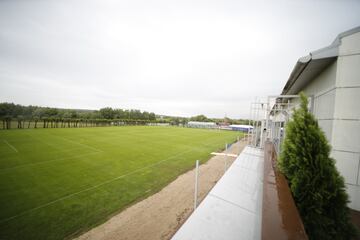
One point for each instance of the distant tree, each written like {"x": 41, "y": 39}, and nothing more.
{"x": 135, "y": 114}
{"x": 152, "y": 116}
{"x": 119, "y": 113}
{"x": 8, "y": 121}
{"x": 199, "y": 118}
{"x": 73, "y": 114}
{"x": 54, "y": 117}
{"x": 315, "y": 183}
{"x": 145, "y": 115}
{"x": 107, "y": 113}
{"x": 20, "y": 120}
{"x": 36, "y": 119}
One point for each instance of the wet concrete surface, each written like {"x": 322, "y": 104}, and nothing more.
{"x": 355, "y": 219}
{"x": 280, "y": 217}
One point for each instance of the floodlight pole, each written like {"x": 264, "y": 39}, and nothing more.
{"x": 196, "y": 184}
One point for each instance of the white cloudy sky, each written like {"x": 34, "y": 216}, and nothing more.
{"x": 171, "y": 57}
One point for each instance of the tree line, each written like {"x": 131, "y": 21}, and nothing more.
{"x": 203, "y": 118}
{"x": 46, "y": 117}
{"x": 19, "y": 116}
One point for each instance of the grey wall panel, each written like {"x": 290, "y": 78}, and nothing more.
{"x": 324, "y": 105}
{"x": 326, "y": 126}
{"x": 346, "y": 135}
{"x": 323, "y": 82}
{"x": 348, "y": 71}
{"x": 347, "y": 103}
{"x": 350, "y": 44}
{"x": 348, "y": 165}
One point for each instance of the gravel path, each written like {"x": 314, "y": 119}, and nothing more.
{"x": 161, "y": 215}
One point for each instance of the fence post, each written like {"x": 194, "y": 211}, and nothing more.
{"x": 226, "y": 148}
{"x": 196, "y": 184}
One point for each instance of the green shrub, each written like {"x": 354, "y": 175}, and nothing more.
{"x": 317, "y": 187}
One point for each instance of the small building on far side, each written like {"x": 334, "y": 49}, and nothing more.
{"x": 241, "y": 128}
{"x": 194, "y": 124}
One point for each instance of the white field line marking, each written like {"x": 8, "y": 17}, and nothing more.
{"x": 43, "y": 162}
{"x": 81, "y": 144}
{"x": 224, "y": 154}
{"x": 58, "y": 149}
{"x": 44, "y": 142}
{"x": 93, "y": 187}
{"x": 11, "y": 146}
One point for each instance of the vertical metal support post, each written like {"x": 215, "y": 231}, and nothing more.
{"x": 196, "y": 184}
{"x": 257, "y": 122}
{"x": 226, "y": 148}
{"x": 253, "y": 123}
{"x": 262, "y": 133}
{"x": 267, "y": 118}
{"x": 248, "y": 132}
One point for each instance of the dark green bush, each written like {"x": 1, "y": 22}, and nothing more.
{"x": 317, "y": 187}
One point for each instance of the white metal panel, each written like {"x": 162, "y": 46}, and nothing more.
{"x": 354, "y": 195}
{"x": 239, "y": 186}
{"x": 217, "y": 219}
{"x": 348, "y": 165}
{"x": 348, "y": 71}
{"x": 233, "y": 208}
{"x": 346, "y": 135}
{"x": 324, "y": 105}
{"x": 324, "y": 81}
{"x": 252, "y": 151}
{"x": 249, "y": 161}
{"x": 327, "y": 127}
{"x": 350, "y": 44}
{"x": 347, "y": 103}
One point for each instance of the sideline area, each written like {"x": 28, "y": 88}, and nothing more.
{"x": 162, "y": 214}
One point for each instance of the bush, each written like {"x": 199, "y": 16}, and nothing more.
{"x": 317, "y": 187}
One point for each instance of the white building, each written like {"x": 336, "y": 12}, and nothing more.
{"x": 242, "y": 128}
{"x": 194, "y": 124}
{"x": 331, "y": 78}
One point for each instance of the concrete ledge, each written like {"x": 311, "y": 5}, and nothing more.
{"x": 233, "y": 208}
{"x": 280, "y": 217}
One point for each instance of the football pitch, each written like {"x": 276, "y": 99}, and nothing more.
{"x": 56, "y": 183}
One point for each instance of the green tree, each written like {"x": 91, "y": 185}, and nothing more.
{"x": 199, "y": 118}
{"x": 152, "y": 116}
{"x": 317, "y": 187}
{"x": 107, "y": 113}
{"x": 20, "y": 121}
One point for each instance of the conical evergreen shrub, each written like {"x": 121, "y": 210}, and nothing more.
{"x": 317, "y": 187}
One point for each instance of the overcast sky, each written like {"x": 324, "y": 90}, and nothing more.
{"x": 170, "y": 57}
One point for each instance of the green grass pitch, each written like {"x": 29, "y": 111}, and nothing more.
{"x": 56, "y": 183}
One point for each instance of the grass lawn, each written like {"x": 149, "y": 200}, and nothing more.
{"x": 55, "y": 183}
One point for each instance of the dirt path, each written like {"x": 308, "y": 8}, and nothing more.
{"x": 160, "y": 215}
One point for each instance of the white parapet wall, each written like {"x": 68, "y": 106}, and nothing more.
{"x": 233, "y": 208}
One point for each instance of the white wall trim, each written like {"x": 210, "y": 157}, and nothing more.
{"x": 339, "y": 150}
{"x": 338, "y": 119}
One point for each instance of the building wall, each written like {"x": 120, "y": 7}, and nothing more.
{"x": 322, "y": 90}
{"x": 336, "y": 94}
{"x": 346, "y": 126}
